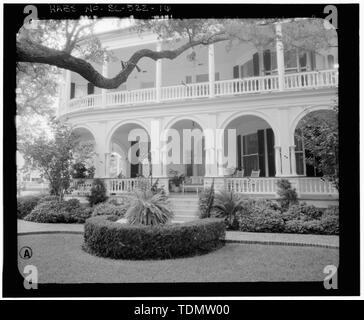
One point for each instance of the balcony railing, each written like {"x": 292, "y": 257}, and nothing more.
{"x": 270, "y": 83}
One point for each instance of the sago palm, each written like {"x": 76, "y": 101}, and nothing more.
{"x": 227, "y": 204}
{"x": 149, "y": 208}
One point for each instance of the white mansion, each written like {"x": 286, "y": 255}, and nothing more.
{"x": 262, "y": 94}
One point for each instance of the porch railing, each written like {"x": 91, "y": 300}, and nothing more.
{"x": 252, "y": 185}
{"x": 268, "y": 83}
{"x": 258, "y": 186}
{"x": 82, "y": 187}
{"x": 303, "y": 186}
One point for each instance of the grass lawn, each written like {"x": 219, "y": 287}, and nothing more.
{"x": 60, "y": 259}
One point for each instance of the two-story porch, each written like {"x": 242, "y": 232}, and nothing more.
{"x": 261, "y": 94}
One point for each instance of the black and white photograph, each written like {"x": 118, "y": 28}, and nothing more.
{"x": 181, "y": 147}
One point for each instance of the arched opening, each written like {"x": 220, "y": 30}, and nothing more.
{"x": 253, "y": 140}
{"x": 129, "y": 155}
{"x": 315, "y": 140}
{"x": 84, "y": 156}
{"x": 185, "y": 150}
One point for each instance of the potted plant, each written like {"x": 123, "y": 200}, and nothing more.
{"x": 176, "y": 180}
{"x": 229, "y": 171}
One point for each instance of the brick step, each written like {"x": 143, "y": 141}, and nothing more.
{"x": 184, "y": 219}
{"x": 184, "y": 205}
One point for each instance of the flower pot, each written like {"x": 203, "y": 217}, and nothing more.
{"x": 176, "y": 189}
{"x": 229, "y": 171}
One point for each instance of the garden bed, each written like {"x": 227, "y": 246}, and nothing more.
{"x": 107, "y": 238}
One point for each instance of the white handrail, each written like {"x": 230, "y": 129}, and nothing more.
{"x": 269, "y": 83}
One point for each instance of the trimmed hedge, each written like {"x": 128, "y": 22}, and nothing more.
{"x": 103, "y": 237}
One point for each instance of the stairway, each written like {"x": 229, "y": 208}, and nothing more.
{"x": 185, "y": 207}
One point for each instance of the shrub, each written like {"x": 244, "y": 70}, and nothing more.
{"x": 288, "y": 195}
{"x": 226, "y": 205}
{"x": 56, "y": 211}
{"x": 76, "y": 213}
{"x": 149, "y": 208}
{"x": 49, "y": 198}
{"x": 331, "y": 211}
{"x": 206, "y": 201}
{"x": 267, "y": 220}
{"x": 48, "y": 212}
{"x": 312, "y": 227}
{"x": 294, "y": 226}
{"x": 26, "y": 204}
{"x": 303, "y": 211}
{"x": 102, "y": 209}
{"x": 97, "y": 192}
{"x": 105, "y": 238}
{"x": 330, "y": 224}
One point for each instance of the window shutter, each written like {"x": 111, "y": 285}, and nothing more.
{"x": 256, "y": 64}
{"x": 271, "y": 153}
{"x": 239, "y": 151}
{"x": 330, "y": 61}
{"x": 261, "y": 152}
{"x": 236, "y": 72}
{"x": 73, "y": 90}
{"x": 90, "y": 88}
{"x": 313, "y": 60}
{"x": 303, "y": 61}
{"x": 267, "y": 60}
{"x": 188, "y": 79}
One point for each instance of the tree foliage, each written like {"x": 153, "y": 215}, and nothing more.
{"x": 53, "y": 155}
{"x": 80, "y": 45}
{"x": 321, "y": 139}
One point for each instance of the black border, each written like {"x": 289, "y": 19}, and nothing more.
{"x": 348, "y": 272}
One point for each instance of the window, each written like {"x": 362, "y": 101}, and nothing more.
{"x": 303, "y": 61}
{"x": 145, "y": 85}
{"x": 290, "y": 60}
{"x": 202, "y": 78}
{"x": 236, "y": 72}
{"x": 90, "y": 88}
{"x": 273, "y": 57}
{"x": 73, "y": 90}
{"x": 330, "y": 61}
{"x": 299, "y": 152}
{"x": 80, "y": 90}
{"x": 247, "y": 69}
{"x": 250, "y": 153}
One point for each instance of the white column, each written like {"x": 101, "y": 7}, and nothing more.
{"x": 105, "y": 74}
{"x": 107, "y": 165}
{"x": 158, "y": 75}
{"x": 293, "y": 160}
{"x": 211, "y": 70}
{"x": 278, "y": 161}
{"x": 101, "y": 149}
{"x": 210, "y": 147}
{"x": 280, "y": 56}
{"x": 155, "y": 148}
